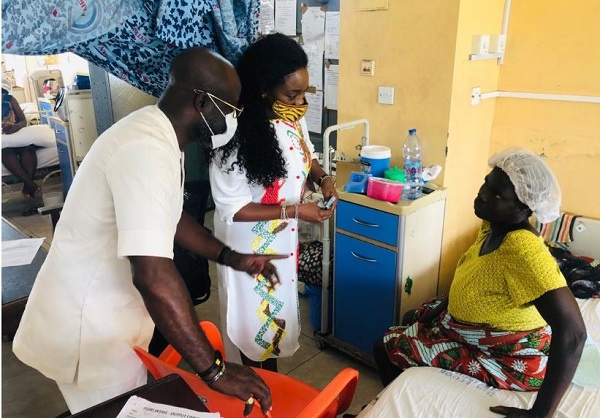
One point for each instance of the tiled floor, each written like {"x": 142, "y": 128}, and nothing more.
{"x": 27, "y": 393}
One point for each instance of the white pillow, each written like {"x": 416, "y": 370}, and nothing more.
{"x": 40, "y": 135}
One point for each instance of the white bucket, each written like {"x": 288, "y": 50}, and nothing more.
{"x": 53, "y": 199}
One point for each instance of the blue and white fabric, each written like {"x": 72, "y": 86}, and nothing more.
{"x": 135, "y": 40}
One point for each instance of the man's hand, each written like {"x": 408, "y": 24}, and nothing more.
{"x": 243, "y": 383}
{"x": 255, "y": 264}
{"x": 511, "y": 412}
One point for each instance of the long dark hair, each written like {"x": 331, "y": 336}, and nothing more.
{"x": 262, "y": 68}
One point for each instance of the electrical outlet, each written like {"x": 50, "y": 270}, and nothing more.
{"x": 386, "y": 95}
{"x": 367, "y": 67}
{"x": 475, "y": 95}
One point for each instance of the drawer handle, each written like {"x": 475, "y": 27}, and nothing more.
{"x": 365, "y": 223}
{"x": 360, "y": 257}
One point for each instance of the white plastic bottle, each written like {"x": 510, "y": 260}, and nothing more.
{"x": 413, "y": 167}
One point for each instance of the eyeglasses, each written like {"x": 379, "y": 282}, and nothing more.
{"x": 236, "y": 110}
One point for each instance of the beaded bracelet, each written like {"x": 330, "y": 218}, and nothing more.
{"x": 284, "y": 214}
{"x": 322, "y": 178}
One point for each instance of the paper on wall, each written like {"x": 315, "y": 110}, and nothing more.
{"x": 332, "y": 35}
{"x": 314, "y": 114}
{"x": 266, "y": 23}
{"x": 331, "y": 86}
{"x": 315, "y": 65}
{"x": 285, "y": 17}
{"x": 20, "y": 252}
{"x": 313, "y": 26}
{"x": 137, "y": 407}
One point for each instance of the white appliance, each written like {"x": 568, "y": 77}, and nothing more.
{"x": 82, "y": 121}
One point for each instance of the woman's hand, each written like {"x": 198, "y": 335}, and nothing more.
{"x": 12, "y": 128}
{"x": 311, "y": 212}
{"x": 328, "y": 190}
{"x": 435, "y": 312}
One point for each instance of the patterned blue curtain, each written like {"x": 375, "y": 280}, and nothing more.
{"x": 135, "y": 40}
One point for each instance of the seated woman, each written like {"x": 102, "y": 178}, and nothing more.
{"x": 21, "y": 161}
{"x": 509, "y": 320}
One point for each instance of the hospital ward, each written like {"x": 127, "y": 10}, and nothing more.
{"x": 300, "y": 209}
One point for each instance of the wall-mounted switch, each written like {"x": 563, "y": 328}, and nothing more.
{"x": 386, "y": 95}
{"x": 367, "y": 67}
{"x": 481, "y": 44}
{"x": 497, "y": 44}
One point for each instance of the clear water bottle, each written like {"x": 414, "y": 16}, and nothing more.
{"x": 413, "y": 167}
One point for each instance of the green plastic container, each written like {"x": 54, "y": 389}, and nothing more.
{"x": 394, "y": 174}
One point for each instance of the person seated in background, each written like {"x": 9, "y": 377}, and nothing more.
{"x": 21, "y": 161}
{"x": 509, "y": 319}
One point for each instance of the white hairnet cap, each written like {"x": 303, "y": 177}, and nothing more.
{"x": 6, "y": 85}
{"x": 535, "y": 185}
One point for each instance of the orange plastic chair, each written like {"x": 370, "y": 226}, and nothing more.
{"x": 171, "y": 356}
{"x": 291, "y": 397}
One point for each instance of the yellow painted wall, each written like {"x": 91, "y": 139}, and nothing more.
{"x": 553, "y": 48}
{"x": 412, "y": 44}
{"x": 469, "y": 132}
{"x": 422, "y": 49}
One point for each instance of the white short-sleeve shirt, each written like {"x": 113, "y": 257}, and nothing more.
{"x": 84, "y": 313}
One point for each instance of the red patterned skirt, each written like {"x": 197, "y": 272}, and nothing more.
{"x": 502, "y": 359}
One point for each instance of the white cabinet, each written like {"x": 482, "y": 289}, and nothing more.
{"x": 82, "y": 122}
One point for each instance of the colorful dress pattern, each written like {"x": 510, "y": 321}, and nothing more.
{"x": 261, "y": 321}
{"x": 502, "y": 359}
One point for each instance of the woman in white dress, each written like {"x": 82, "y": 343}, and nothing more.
{"x": 257, "y": 181}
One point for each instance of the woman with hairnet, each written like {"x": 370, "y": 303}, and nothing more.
{"x": 509, "y": 320}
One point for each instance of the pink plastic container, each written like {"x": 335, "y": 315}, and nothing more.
{"x": 384, "y": 189}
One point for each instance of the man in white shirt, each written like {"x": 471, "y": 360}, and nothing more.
{"x": 109, "y": 275}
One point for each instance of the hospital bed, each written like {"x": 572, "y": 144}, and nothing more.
{"x": 39, "y": 112}
{"x": 47, "y": 158}
{"x": 432, "y": 392}
{"x": 47, "y": 154}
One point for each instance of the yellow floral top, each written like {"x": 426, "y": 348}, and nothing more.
{"x": 496, "y": 289}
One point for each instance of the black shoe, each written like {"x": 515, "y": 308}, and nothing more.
{"x": 31, "y": 211}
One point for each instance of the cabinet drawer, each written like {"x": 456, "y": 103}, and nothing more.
{"x": 364, "y": 291}
{"x": 370, "y": 223}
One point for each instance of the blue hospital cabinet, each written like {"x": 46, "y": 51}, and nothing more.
{"x": 386, "y": 262}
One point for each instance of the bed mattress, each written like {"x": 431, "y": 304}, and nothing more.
{"x": 431, "y": 392}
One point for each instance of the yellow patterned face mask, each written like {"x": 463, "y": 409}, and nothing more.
{"x": 289, "y": 113}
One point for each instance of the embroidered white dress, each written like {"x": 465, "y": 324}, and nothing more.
{"x": 260, "y": 321}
